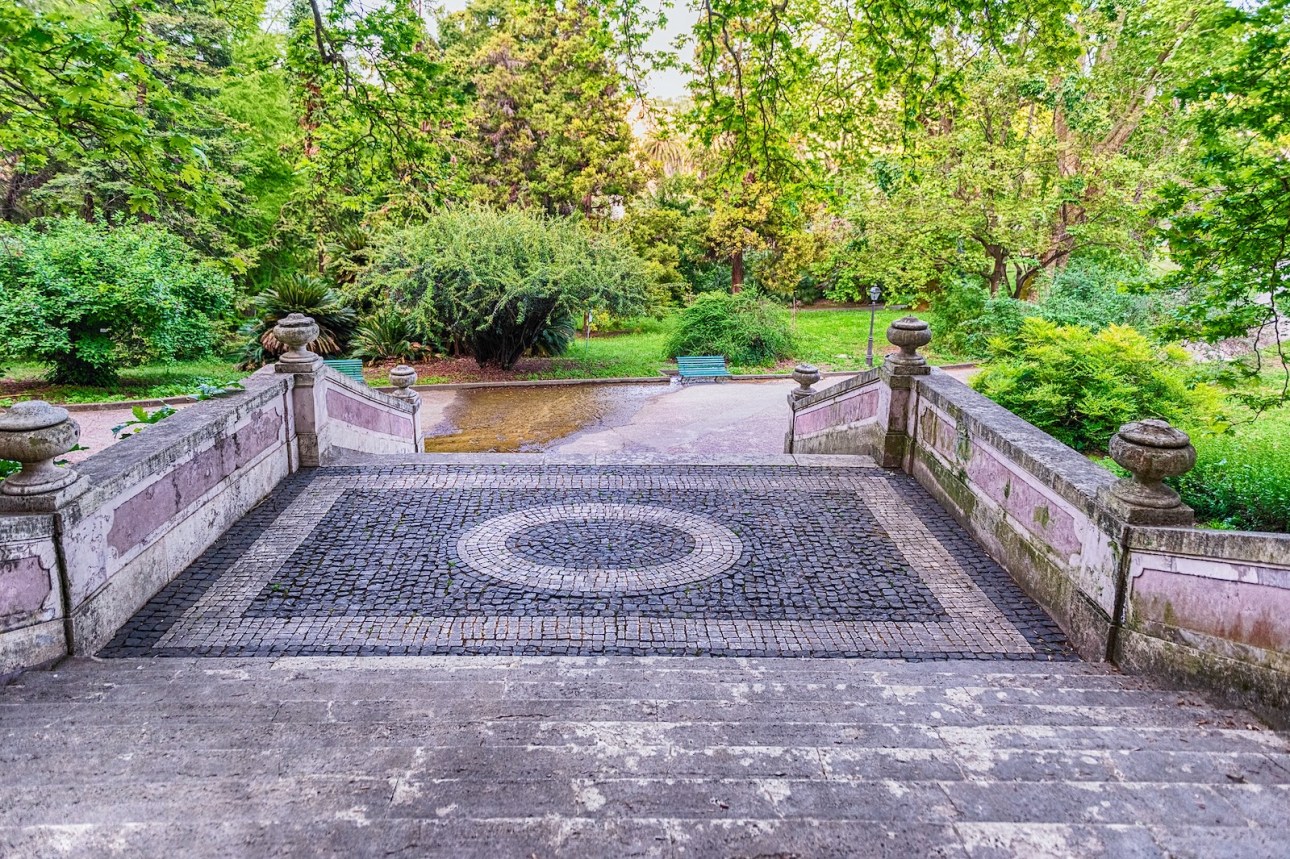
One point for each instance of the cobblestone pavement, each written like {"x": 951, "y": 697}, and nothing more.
{"x": 531, "y": 556}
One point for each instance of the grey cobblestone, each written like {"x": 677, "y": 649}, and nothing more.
{"x": 566, "y": 559}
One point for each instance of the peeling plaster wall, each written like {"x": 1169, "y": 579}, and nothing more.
{"x": 31, "y": 594}
{"x": 1206, "y": 604}
{"x": 368, "y": 421}
{"x": 840, "y": 419}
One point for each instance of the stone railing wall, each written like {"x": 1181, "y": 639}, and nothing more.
{"x": 1119, "y": 564}
{"x": 78, "y": 557}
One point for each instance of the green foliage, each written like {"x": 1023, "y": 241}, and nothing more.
{"x": 390, "y": 333}
{"x": 140, "y": 419}
{"x": 1096, "y": 296}
{"x": 667, "y": 228}
{"x": 1080, "y": 387}
{"x": 1242, "y": 477}
{"x": 495, "y": 281}
{"x": 86, "y": 84}
{"x": 966, "y": 318}
{"x": 547, "y": 114}
{"x": 746, "y": 329}
{"x": 305, "y": 294}
{"x": 89, "y": 300}
{"x": 1228, "y": 217}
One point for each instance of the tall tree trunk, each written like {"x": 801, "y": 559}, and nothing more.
{"x": 736, "y": 271}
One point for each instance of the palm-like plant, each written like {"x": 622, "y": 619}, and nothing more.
{"x": 300, "y": 293}
{"x": 390, "y": 333}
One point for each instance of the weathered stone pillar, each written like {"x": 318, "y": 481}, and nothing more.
{"x": 35, "y": 433}
{"x": 1151, "y": 450}
{"x": 897, "y": 373}
{"x": 308, "y": 393}
{"x": 403, "y": 377}
{"x": 805, "y": 375}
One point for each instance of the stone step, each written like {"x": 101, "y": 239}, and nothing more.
{"x": 463, "y": 756}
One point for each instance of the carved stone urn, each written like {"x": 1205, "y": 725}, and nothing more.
{"x": 910, "y": 334}
{"x": 1151, "y": 450}
{"x": 805, "y": 375}
{"x": 35, "y": 433}
{"x": 403, "y": 377}
{"x": 296, "y": 332}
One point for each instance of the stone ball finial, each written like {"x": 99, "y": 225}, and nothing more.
{"x": 1151, "y": 450}
{"x": 403, "y": 377}
{"x": 296, "y": 331}
{"x": 35, "y": 433}
{"x": 805, "y": 375}
{"x": 910, "y": 334}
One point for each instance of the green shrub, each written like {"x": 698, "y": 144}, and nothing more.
{"x": 497, "y": 281}
{"x": 89, "y": 299}
{"x": 966, "y": 317}
{"x": 1095, "y": 296}
{"x": 1080, "y": 387}
{"x": 391, "y": 333}
{"x": 1242, "y": 477}
{"x": 746, "y": 329}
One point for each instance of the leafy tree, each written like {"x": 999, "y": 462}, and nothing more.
{"x": 376, "y": 113}
{"x": 548, "y": 105}
{"x": 86, "y": 85}
{"x": 1229, "y": 217}
{"x": 495, "y": 282}
{"x": 88, "y": 300}
{"x": 1041, "y": 155}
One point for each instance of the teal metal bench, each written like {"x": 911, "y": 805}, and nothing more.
{"x": 351, "y": 367}
{"x": 702, "y": 367}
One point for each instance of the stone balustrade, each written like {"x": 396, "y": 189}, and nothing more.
{"x": 1119, "y": 563}
{"x": 81, "y": 549}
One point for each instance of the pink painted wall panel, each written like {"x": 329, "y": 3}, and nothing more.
{"x": 24, "y": 585}
{"x": 1245, "y": 612}
{"x": 350, "y": 409}
{"x": 145, "y": 512}
{"x": 860, "y": 406}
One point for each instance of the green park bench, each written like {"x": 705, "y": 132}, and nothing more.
{"x": 351, "y": 367}
{"x": 702, "y": 367}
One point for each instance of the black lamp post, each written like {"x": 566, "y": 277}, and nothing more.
{"x": 874, "y": 293}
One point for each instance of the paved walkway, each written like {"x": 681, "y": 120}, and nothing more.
{"x": 607, "y": 655}
{"x": 530, "y": 556}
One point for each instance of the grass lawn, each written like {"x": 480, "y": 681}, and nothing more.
{"x": 175, "y": 379}
{"x": 1242, "y": 477}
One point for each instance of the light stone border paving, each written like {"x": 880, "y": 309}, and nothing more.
{"x": 218, "y": 618}
{"x": 484, "y": 549}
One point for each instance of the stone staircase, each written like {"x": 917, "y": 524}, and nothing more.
{"x": 651, "y": 756}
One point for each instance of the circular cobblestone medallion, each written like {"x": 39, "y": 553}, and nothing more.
{"x": 599, "y": 547}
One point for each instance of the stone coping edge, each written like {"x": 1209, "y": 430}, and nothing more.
{"x": 132, "y": 460}
{"x": 864, "y": 379}
{"x": 1071, "y": 474}
{"x": 1254, "y": 547}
